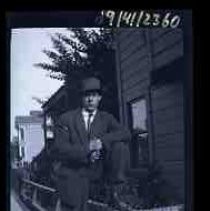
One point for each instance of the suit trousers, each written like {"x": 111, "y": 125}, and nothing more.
{"x": 77, "y": 199}
{"x": 112, "y": 167}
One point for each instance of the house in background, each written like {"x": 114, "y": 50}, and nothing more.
{"x": 61, "y": 101}
{"x": 30, "y": 135}
{"x": 14, "y": 152}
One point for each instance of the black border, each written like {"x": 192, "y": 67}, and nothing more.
{"x": 188, "y": 106}
{"x": 200, "y": 110}
{"x": 197, "y": 86}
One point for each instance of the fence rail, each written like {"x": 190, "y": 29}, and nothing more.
{"x": 39, "y": 186}
{"x": 31, "y": 192}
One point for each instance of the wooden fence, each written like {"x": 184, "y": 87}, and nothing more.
{"x": 33, "y": 193}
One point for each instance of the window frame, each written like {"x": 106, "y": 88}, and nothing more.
{"x": 22, "y": 134}
{"x": 135, "y": 158}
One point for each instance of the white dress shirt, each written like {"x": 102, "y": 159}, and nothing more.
{"x": 85, "y": 115}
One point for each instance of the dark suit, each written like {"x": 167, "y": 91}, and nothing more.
{"x": 71, "y": 150}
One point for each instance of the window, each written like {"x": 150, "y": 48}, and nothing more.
{"x": 139, "y": 115}
{"x": 139, "y": 128}
{"x": 50, "y": 134}
{"x": 22, "y": 152}
{"x": 49, "y": 121}
{"x": 21, "y": 133}
{"x": 49, "y": 127}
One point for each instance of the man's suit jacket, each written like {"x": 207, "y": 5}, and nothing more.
{"x": 71, "y": 137}
{"x": 71, "y": 147}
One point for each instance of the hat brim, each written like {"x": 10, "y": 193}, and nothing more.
{"x": 91, "y": 91}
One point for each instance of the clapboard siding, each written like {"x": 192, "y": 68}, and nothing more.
{"x": 157, "y": 32}
{"x": 169, "y": 55}
{"x": 168, "y": 127}
{"x": 168, "y": 119}
{"x": 136, "y": 91}
{"x": 170, "y": 148}
{"x": 166, "y": 89}
{"x": 169, "y": 154}
{"x": 134, "y": 80}
{"x": 137, "y": 57}
{"x": 135, "y": 68}
{"x": 136, "y": 39}
{"x": 124, "y": 33}
{"x": 168, "y": 114}
{"x": 168, "y": 96}
{"x": 170, "y": 140}
{"x": 168, "y": 101}
{"x": 173, "y": 174}
{"x": 130, "y": 50}
{"x": 166, "y": 41}
{"x": 134, "y": 64}
{"x": 171, "y": 125}
{"x": 173, "y": 169}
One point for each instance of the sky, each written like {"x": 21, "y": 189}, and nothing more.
{"x": 26, "y": 80}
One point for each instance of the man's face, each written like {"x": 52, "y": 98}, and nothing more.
{"x": 91, "y": 100}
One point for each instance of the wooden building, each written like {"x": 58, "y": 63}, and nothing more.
{"x": 151, "y": 68}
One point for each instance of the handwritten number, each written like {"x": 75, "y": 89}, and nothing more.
{"x": 175, "y": 21}
{"x": 132, "y": 19}
{"x": 110, "y": 14}
{"x": 165, "y": 21}
{"x": 146, "y": 20}
{"x": 156, "y": 19}
{"x": 126, "y": 17}
{"x": 139, "y": 18}
{"x": 119, "y": 19}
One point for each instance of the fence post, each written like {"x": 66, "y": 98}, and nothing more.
{"x": 58, "y": 205}
{"x": 34, "y": 197}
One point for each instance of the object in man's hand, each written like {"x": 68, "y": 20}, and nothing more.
{"x": 95, "y": 144}
{"x": 95, "y": 147}
{"x": 95, "y": 155}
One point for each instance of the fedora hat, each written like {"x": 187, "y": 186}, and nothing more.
{"x": 90, "y": 84}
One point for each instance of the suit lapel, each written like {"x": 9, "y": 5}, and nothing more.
{"x": 81, "y": 130}
{"x": 96, "y": 124}
{"x": 80, "y": 127}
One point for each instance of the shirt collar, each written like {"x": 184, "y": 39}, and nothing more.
{"x": 86, "y": 113}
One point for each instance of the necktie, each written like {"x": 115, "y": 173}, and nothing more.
{"x": 88, "y": 124}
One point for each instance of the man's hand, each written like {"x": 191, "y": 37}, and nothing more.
{"x": 95, "y": 155}
{"x": 95, "y": 145}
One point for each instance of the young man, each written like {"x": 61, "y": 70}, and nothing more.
{"x": 86, "y": 139}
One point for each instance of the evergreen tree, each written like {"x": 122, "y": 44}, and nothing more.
{"x": 84, "y": 53}
{"x": 79, "y": 54}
